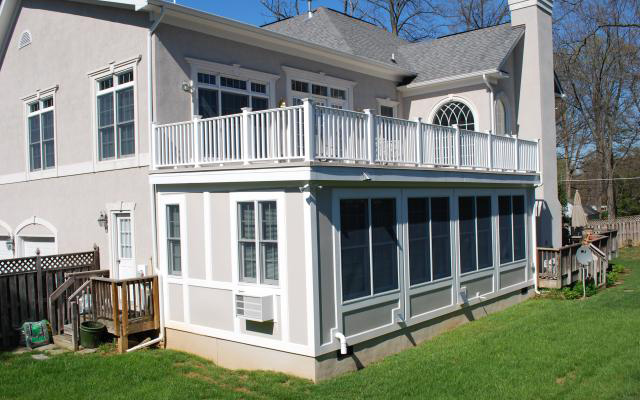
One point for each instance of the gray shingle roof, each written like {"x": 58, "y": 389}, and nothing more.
{"x": 463, "y": 53}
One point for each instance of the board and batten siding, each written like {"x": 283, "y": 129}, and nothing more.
{"x": 202, "y": 299}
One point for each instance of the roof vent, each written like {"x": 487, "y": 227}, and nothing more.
{"x": 309, "y": 11}
{"x": 25, "y": 39}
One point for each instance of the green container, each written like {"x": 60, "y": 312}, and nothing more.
{"x": 91, "y": 334}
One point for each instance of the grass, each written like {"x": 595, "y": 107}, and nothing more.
{"x": 544, "y": 348}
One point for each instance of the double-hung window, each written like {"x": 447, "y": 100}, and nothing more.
{"x": 475, "y": 227}
{"x": 258, "y": 242}
{"x": 512, "y": 227}
{"x": 220, "y": 94}
{"x": 174, "y": 243}
{"x": 41, "y": 137}
{"x": 115, "y": 104}
{"x": 369, "y": 247}
{"x": 429, "y": 239}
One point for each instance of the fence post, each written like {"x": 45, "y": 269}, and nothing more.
{"x": 517, "y": 160}
{"x": 309, "y": 129}
{"x": 490, "y": 150}
{"x": 40, "y": 291}
{"x": 246, "y": 135}
{"x": 419, "y": 159}
{"x": 96, "y": 256}
{"x": 457, "y": 144}
{"x": 196, "y": 140}
{"x": 371, "y": 135}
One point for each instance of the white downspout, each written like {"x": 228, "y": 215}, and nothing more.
{"x": 492, "y": 106}
{"x": 343, "y": 342}
{"x": 152, "y": 190}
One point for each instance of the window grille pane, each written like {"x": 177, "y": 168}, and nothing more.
{"x": 105, "y": 84}
{"x": 338, "y": 94}
{"x": 319, "y": 90}
{"x": 384, "y": 245}
{"x": 233, "y": 83}
{"x": 33, "y": 107}
{"x": 106, "y": 140}
{"x": 125, "y": 238}
{"x": 419, "y": 243}
{"x": 233, "y": 103}
{"x": 106, "y": 143}
{"x": 441, "y": 237}
{"x": 125, "y": 77}
{"x": 105, "y": 110}
{"x": 519, "y": 242}
{"x": 248, "y": 261}
{"x": 208, "y": 103}
{"x": 174, "y": 256}
{"x": 258, "y": 87}
{"x": 269, "y": 220}
{"x": 126, "y": 127}
{"x": 354, "y": 237}
{"x": 35, "y": 156}
{"x": 126, "y": 139}
{"x": 504, "y": 222}
{"x": 455, "y": 113}
{"x": 466, "y": 210}
{"x": 269, "y": 257}
{"x": 46, "y": 103}
{"x": 259, "y": 103}
{"x": 247, "y": 221}
{"x": 299, "y": 86}
{"x": 386, "y": 111}
{"x": 485, "y": 232}
{"x": 207, "y": 79}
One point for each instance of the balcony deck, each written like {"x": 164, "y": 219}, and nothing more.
{"x": 317, "y": 134}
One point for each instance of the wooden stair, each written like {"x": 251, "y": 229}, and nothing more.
{"x": 64, "y": 338}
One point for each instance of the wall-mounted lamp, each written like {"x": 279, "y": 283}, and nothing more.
{"x": 11, "y": 244}
{"x": 187, "y": 87}
{"x": 103, "y": 221}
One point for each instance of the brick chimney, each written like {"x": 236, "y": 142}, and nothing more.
{"x": 536, "y": 108}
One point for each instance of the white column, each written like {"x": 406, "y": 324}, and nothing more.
{"x": 246, "y": 135}
{"x": 309, "y": 130}
{"x": 457, "y": 145}
{"x": 419, "y": 159}
{"x": 196, "y": 140}
{"x": 371, "y": 135}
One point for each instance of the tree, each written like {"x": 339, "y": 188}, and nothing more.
{"x": 277, "y": 10}
{"x": 474, "y": 14}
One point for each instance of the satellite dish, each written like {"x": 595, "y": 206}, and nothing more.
{"x": 584, "y": 255}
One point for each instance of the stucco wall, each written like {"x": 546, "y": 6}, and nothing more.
{"x": 69, "y": 40}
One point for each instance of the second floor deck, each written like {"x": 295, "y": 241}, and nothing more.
{"x": 315, "y": 133}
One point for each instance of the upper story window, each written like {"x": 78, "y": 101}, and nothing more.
{"x": 321, "y": 94}
{"x": 218, "y": 94}
{"x": 41, "y": 134}
{"x": 455, "y": 113}
{"x": 115, "y": 102}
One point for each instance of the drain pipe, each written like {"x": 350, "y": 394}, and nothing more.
{"x": 343, "y": 342}
{"x": 152, "y": 188}
{"x": 485, "y": 78}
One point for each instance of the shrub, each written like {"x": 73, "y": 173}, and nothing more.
{"x": 618, "y": 268}
{"x": 612, "y": 278}
{"x": 577, "y": 290}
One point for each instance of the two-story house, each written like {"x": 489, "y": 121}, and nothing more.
{"x": 314, "y": 194}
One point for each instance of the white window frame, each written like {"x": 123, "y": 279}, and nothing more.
{"x": 514, "y": 262}
{"x": 388, "y": 103}
{"x": 234, "y": 71}
{"x": 39, "y": 96}
{"x": 256, "y": 197}
{"x": 319, "y": 78}
{"x": 114, "y": 209}
{"x": 258, "y": 240}
{"x": 164, "y": 201}
{"x": 112, "y": 70}
{"x": 451, "y": 98}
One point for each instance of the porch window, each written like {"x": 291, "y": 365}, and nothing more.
{"x": 322, "y": 94}
{"x": 512, "y": 228}
{"x": 41, "y": 136}
{"x": 429, "y": 239}
{"x": 218, "y": 94}
{"x": 174, "y": 254}
{"x": 369, "y": 246}
{"x": 476, "y": 248}
{"x": 258, "y": 242}
{"x": 116, "y": 116}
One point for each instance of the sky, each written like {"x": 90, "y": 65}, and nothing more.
{"x": 249, "y": 11}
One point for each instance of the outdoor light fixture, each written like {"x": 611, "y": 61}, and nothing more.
{"x": 187, "y": 87}
{"x": 10, "y": 244}
{"x": 103, "y": 221}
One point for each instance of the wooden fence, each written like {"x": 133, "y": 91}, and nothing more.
{"x": 628, "y": 229}
{"x": 26, "y": 284}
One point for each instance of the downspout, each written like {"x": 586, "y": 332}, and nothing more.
{"x": 343, "y": 342}
{"x": 492, "y": 99}
{"x": 152, "y": 188}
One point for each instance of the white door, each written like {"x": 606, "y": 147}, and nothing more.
{"x": 30, "y": 244}
{"x": 5, "y": 251}
{"x": 125, "y": 258}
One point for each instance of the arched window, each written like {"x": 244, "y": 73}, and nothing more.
{"x": 502, "y": 123}
{"x": 455, "y": 113}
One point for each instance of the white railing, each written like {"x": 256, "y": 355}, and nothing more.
{"x": 316, "y": 133}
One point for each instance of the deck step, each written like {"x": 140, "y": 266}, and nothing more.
{"x": 67, "y": 328}
{"x": 63, "y": 341}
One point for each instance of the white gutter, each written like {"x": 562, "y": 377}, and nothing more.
{"x": 492, "y": 107}
{"x": 152, "y": 188}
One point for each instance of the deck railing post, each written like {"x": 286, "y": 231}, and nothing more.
{"x": 246, "y": 135}
{"x": 371, "y": 135}
{"x": 517, "y": 160}
{"x": 457, "y": 145}
{"x": 538, "y": 147}
{"x": 490, "y": 151}
{"x": 309, "y": 129}
{"x": 196, "y": 140}
{"x": 419, "y": 159}
{"x": 154, "y": 146}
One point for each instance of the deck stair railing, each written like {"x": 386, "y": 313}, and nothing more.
{"x": 311, "y": 132}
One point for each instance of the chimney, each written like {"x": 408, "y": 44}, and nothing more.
{"x": 535, "y": 99}
{"x": 309, "y": 12}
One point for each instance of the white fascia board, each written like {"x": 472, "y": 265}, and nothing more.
{"x": 450, "y": 82}
{"x": 240, "y": 32}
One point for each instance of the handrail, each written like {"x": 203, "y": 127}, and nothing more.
{"x": 80, "y": 289}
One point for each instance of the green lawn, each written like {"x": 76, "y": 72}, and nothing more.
{"x": 540, "y": 349}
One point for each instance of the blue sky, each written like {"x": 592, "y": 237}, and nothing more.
{"x": 249, "y": 11}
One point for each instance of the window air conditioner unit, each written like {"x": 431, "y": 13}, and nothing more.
{"x": 254, "y": 308}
